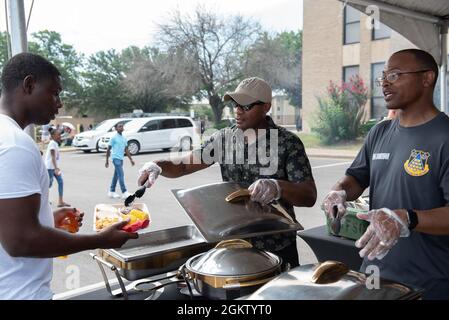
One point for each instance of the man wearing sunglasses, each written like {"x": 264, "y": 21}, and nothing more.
{"x": 405, "y": 164}
{"x": 290, "y": 183}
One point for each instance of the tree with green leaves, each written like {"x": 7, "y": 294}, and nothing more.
{"x": 277, "y": 59}
{"x": 103, "y": 89}
{"x": 69, "y": 62}
{"x": 215, "y": 46}
{"x": 3, "y": 49}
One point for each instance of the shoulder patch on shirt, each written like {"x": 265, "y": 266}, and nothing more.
{"x": 417, "y": 164}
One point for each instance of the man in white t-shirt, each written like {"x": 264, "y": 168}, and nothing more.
{"x": 29, "y": 234}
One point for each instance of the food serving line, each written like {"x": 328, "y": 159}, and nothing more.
{"x": 210, "y": 259}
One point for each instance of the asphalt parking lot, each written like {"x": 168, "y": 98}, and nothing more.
{"x": 87, "y": 182}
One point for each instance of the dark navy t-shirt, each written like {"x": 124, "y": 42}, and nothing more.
{"x": 408, "y": 168}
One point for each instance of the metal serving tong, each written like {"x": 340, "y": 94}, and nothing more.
{"x": 138, "y": 194}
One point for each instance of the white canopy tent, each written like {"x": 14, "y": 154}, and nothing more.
{"x": 424, "y": 23}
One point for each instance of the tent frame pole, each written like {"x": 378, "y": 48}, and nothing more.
{"x": 443, "y": 68}
{"x": 398, "y": 10}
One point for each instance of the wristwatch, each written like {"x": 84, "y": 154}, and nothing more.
{"x": 412, "y": 218}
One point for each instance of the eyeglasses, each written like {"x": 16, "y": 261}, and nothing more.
{"x": 393, "y": 76}
{"x": 248, "y": 107}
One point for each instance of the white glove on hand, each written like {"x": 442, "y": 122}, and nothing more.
{"x": 149, "y": 172}
{"x": 386, "y": 227}
{"x": 265, "y": 191}
{"x": 334, "y": 199}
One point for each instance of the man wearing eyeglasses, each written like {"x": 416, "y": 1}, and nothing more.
{"x": 289, "y": 181}
{"x": 405, "y": 164}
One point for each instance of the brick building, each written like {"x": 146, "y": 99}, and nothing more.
{"x": 338, "y": 43}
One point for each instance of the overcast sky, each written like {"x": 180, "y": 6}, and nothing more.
{"x": 93, "y": 25}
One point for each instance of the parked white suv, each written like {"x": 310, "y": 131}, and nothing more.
{"x": 152, "y": 133}
{"x": 88, "y": 140}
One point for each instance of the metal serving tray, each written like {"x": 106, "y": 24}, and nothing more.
{"x": 156, "y": 252}
{"x": 219, "y": 220}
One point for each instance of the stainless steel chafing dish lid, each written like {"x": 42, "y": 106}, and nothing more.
{"x": 236, "y": 259}
{"x": 296, "y": 284}
{"x": 219, "y": 220}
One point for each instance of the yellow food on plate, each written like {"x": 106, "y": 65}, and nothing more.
{"x": 135, "y": 215}
{"x": 102, "y": 223}
{"x": 139, "y": 214}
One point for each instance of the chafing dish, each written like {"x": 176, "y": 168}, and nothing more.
{"x": 156, "y": 252}
{"x": 298, "y": 284}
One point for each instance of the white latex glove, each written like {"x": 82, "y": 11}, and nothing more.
{"x": 265, "y": 191}
{"x": 150, "y": 171}
{"x": 386, "y": 227}
{"x": 335, "y": 199}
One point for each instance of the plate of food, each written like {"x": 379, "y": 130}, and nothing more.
{"x": 108, "y": 214}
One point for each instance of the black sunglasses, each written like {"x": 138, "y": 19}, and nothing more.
{"x": 233, "y": 104}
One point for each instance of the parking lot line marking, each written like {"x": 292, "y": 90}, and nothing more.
{"x": 78, "y": 155}
{"x": 332, "y": 165}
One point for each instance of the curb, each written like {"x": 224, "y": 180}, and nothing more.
{"x": 330, "y": 156}
{"x": 309, "y": 154}
{"x": 317, "y": 153}
{"x": 331, "y": 153}
{"x": 68, "y": 150}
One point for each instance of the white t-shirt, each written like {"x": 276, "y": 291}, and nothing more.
{"x": 52, "y": 145}
{"x": 23, "y": 173}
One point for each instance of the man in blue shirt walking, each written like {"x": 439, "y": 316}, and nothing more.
{"x": 119, "y": 146}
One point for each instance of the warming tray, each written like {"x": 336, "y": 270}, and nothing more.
{"x": 219, "y": 220}
{"x": 156, "y": 252}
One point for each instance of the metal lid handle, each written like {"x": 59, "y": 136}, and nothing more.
{"x": 234, "y": 243}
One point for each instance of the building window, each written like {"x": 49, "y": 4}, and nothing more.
{"x": 279, "y": 108}
{"x": 350, "y": 71}
{"x": 378, "y": 105}
{"x": 383, "y": 32}
{"x": 351, "y": 24}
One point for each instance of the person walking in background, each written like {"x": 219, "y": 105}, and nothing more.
{"x": 119, "y": 146}
{"x": 52, "y": 164}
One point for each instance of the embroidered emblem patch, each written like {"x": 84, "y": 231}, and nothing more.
{"x": 417, "y": 164}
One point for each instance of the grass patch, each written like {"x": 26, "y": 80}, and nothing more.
{"x": 311, "y": 140}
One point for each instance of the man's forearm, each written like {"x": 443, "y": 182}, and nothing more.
{"x": 434, "y": 221}
{"x": 351, "y": 186}
{"x": 298, "y": 194}
{"x": 181, "y": 166}
{"x": 44, "y": 242}
{"x": 170, "y": 169}
{"x": 128, "y": 155}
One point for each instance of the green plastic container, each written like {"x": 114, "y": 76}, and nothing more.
{"x": 351, "y": 226}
